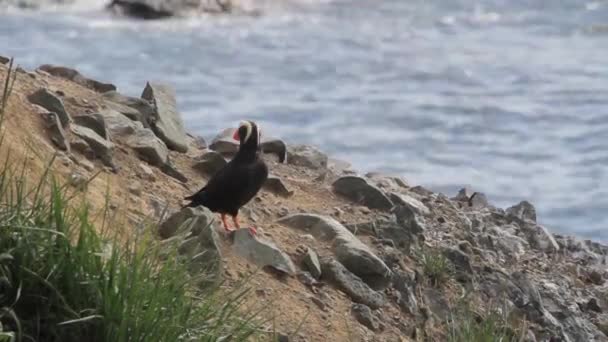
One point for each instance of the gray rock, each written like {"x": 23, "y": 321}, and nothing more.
{"x": 402, "y": 238}
{"x": 540, "y": 238}
{"x": 174, "y": 224}
{"x": 409, "y": 201}
{"x": 4, "y": 60}
{"x": 81, "y": 146}
{"x": 171, "y": 170}
{"x": 478, "y": 200}
{"x": 275, "y": 146}
{"x": 595, "y": 277}
{"x": 118, "y": 124}
{"x": 358, "y": 190}
{"x": 134, "y": 108}
{"x": 262, "y": 253}
{"x": 404, "y": 284}
{"x": 52, "y": 103}
{"x": 307, "y": 156}
{"x": 168, "y": 124}
{"x": 223, "y": 142}
{"x": 407, "y": 218}
{"x": 95, "y": 122}
{"x": 145, "y": 172}
{"x": 349, "y": 250}
{"x": 102, "y": 148}
{"x": 209, "y": 260}
{"x": 149, "y": 147}
{"x": 275, "y": 185}
{"x": 350, "y": 284}
{"x": 311, "y": 260}
{"x": 501, "y": 240}
{"x": 459, "y": 259}
{"x": 210, "y": 163}
{"x": 76, "y": 77}
{"x": 593, "y": 305}
{"x": 363, "y": 314}
{"x": 437, "y": 303}
{"x": 524, "y": 210}
{"x": 56, "y": 132}
{"x": 338, "y": 166}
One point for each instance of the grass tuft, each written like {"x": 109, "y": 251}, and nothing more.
{"x": 435, "y": 266}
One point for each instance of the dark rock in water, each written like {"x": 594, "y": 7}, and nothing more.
{"x": 210, "y": 163}
{"x": 4, "y": 60}
{"x": 307, "y": 156}
{"x": 311, "y": 260}
{"x": 52, "y": 103}
{"x": 149, "y": 147}
{"x": 363, "y": 314}
{"x": 275, "y": 146}
{"x": 275, "y": 185}
{"x": 103, "y": 149}
{"x": 261, "y": 252}
{"x": 478, "y": 200}
{"x": 96, "y": 122}
{"x": 223, "y": 142}
{"x": 118, "y": 124}
{"x": 169, "y": 169}
{"x": 350, "y": 284}
{"x": 140, "y": 9}
{"x": 168, "y": 124}
{"x": 349, "y": 250}
{"x": 358, "y": 190}
{"x": 524, "y": 210}
{"x": 76, "y": 77}
{"x": 55, "y": 129}
{"x": 134, "y": 108}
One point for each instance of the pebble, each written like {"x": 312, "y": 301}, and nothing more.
{"x": 135, "y": 188}
{"x": 146, "y": 173}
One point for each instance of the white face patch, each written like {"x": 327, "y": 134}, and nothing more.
{"x": 248, "y": 129}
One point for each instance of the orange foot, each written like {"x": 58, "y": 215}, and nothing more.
{"x": 228, "y": 229}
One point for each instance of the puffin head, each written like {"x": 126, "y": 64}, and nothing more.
{"x": 248, "y": 134}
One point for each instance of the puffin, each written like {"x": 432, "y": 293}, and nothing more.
{"x": 238, "y": 181}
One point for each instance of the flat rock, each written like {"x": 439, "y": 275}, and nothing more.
{"x": 411, "y": 202}
{"x": 168, "y": 124}
{"x": 174, "y": 224}
{"x": 276, "y": 185}
{"x": 102, "y": 148}
{"x": 524, "y": 210}
{"x": 358, "y": 190}
{"x": 307, "y": 156}
{"x": 364, "y": 315}
{"x": 118, "y": 124}
{"x": 76, "y": 77}
{"x": 149, "y": 147}
{"x": 56, "y": 131}
{"x": 134, "y": 108}
{"x": 94, "y": 121}
{"x": 52, "y": 103}
{"x": 210, "y": 163}
{"x": 261, "y": 252}
{"x": 350, "y": 284}
{"x": 275, "y": 146}
{"x": 349, "y": 250}
{"x": 223, "y": 142}
{"x": 311, "y": 260}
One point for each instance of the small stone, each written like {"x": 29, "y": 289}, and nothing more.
{"x": 57, "y": 133}
{"x": 307, "y": 156}
{"x": 77, "y": 179}
{"x": 52, "y": 103}
{"x": 593, "y": 305}
{"x": 261, "y": 252}
{"x": 149, "y": 148}
{"x": 86, "y": 164}
{"x": 318, "y": 302}
{"x": 102, "y": 148}
{"x": 145, "y": 172}
{"x": 358, "y": 190}
{"x": 135, "y": 188}
{"x": 276, "y": 185}
{"x": 311, "y": 260}
{"x": 364, "y": 315}
{"x": 352, "y": 285}
{"x": 596, "y": 278}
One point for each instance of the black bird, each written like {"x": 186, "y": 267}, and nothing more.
{"x": 238, "y": 181}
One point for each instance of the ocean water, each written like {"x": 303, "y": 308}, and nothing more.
{"x": 507, "y": 97}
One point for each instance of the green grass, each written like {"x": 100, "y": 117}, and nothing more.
{"x": 435, "y": 266}
{"x": 62, "y": 281}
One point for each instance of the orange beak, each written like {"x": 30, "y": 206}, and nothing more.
{"x": 235, "y": 136}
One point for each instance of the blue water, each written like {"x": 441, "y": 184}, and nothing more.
{"x": 509, "y": 97}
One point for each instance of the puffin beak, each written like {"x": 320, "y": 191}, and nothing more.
{"x": 235, "y": 136}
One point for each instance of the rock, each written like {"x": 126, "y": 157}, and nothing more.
{"x": 275, "y": 185}
{"x": 87, "y": 165}
{"x": 275, "y": 146}
{"x": 210, "y": 163}
{"x": 145, "y": 173}
{"x": 81, "y": 146}
{"x": 524, "y": 210}
{"x": 437, "y": 303}
{"x": 363, "y": 314}
{"x": 338, "y": 166}
{"x": 56, "y": 132}
{"x": 478, "y": 200}
{"x": 134, "y": 108}
{"x": 119, "y": 125}
{"x": 404, "y": 284}
{"x": 52, "y": 103}
{"x": 593, "y": 305}
{"x": 406, "y": 217}
{"x": 168, "y": 124}
{"x": 223, "y": 142}
{"x": 144, "y": 9}
{"x": 262, "y": 253}
{"x": 358, "y": 190}
{"x": 77, "y": 180}
{"x": 401, "y": 238}
{"x": 349, "y": 250}
{"x": 501, "y": 240}
{"x": 307, "y": 156}
{"x": 76, "y": 77}
{"x": 169, "y": 169}
{"x": 409, "y": 201}
{"x": 135, "y": 188}
{"x": 94, "y": 122}
{"x": 4, "y": 60}
{"x": 459, "y": 259}
{"x": 198, "y": 141}
{"x": 149, "y": 147}
{"x": 540, "y": 238}
{"x": 174, "y": 224}
{"x": 102, "y": 148}
{"x": 312, "y": 263}
{"x": 595, "y": 277}
{"x": 350, "y": 284}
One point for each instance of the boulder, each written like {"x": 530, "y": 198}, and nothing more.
{"x": 349, "y": 250}
{"x": 407, "y": 218}
{"x": 95, "y": 121}
{"x": 311, "y": 261}
{"x": 358, "y": 190}
{"x": 275, "y": 146}
{"x": 76, "y": 77}
{"x": 174, "y": 224}
{"x": 118, "y": 124}
{"x": 524, "y": 210}
{"x": 52, "y": 103}
{"x": 350, "y": 284}
{"x": 149, "y": 147}
{"x": 168, "y": 124}
{"x": 307, "y": 156}
{"x": 540, "y": 238}
{"x": 261, "y": 252}
{"x": 102, "y": 148}
{"x": 275, "y": 185}
{"x": 411, "y": 202}
{"x": 134, "y": 108}
{"x": 223, "y": 142}
{"x": 210, "y": 163}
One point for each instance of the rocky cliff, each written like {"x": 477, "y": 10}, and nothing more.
{"x": 339, "y": 256}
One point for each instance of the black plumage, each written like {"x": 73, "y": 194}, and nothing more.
{"x": 238, "y": 181}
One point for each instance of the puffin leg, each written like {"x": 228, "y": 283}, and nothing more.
{"x": 225, "y": 224}
{"x": 235, "y": 219}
